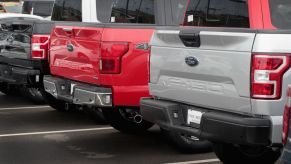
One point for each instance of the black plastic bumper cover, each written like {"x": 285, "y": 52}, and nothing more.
{"x": 215, "y": 126}
{"x": 77, "y": 92}
{"x": 21, "y": 71}
{"x": 16, "y": 75}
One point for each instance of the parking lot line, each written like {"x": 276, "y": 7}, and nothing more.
{"x": 25, "y": 107}
{"x": 197, "y": 162}
{"x": 55, "y": 132}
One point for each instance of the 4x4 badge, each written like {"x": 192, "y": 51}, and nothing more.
{"x": 142, "y": 46}
{"x": 191, "y": 61}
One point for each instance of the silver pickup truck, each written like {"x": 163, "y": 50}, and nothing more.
{"x": 223, "y": 77}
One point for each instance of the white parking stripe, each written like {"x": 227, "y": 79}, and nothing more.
{"x": 55, "y": 132}
{"x": 26, "y": 107}
{"x": 197, "y": 162}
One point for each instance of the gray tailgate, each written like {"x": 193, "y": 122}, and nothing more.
{"x": 214, "y": 74}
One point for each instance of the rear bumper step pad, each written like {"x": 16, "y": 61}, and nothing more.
{"x": 78, "y": 93}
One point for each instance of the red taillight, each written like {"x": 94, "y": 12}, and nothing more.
{"x": 286, "y": 118}
{"x": 267, "y": 74}
{"x": 111, "y": 54}
{"x": 39, "y": 46}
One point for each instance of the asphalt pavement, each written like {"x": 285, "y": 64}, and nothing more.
{"x": 37, "y": 134}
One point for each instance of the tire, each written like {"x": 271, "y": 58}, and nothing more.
{"x": 116, "y": 119}
{"x": 58, "y": 105}
{"x": 5, "y": 90}
{"x": 33, "y": 94}
{"x": 99, "y": 116}
{"x": 9, "y": 90}
{"x": 186, "y": 144}
{"x": 229, "y": 154}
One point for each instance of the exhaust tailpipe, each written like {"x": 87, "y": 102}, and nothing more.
{"x": 137, "y": 118}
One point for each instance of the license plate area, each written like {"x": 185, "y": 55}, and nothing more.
{"x": 194, "y": 117}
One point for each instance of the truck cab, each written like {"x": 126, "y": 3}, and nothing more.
{"x": 41, "y": 8}
{"x": 215, "y": 78}
{"x": 74, "y": 10}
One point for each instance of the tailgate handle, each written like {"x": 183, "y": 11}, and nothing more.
{"x": 68, "y": 31}
{"x": 190, "y": 39}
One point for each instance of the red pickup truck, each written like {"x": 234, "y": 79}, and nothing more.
{"x": 106, "y": 65}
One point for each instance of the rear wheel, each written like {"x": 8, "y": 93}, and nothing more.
{"x": 33, "y": 94}
{"x": 94, "y": 113}
{"x": 58, "y": 105}
{"x": 126, "y": 120}
{"x": 9, "y": 90}
{"x": 99, "y": 116}
{"x": 229, "y": 154}
{"x": 187, "y": 144}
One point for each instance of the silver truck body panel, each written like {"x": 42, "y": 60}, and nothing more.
{"x": 272, "y": 43}
{"x": 221, "y": 80}
{"x": 276, "y": 128}
{"x": 277, "y": 44}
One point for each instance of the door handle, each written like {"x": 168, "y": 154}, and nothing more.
{"x": 190, "y": 39}
{"x": 68, "y": 31}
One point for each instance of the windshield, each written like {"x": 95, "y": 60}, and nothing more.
{"x": 43, "y": 8}
{"x": 281, "y": 13}
{"x": 13, "y": 8}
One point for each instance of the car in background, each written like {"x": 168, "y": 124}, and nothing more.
{"x": 10, "y": 7}
{"x": 41, "y": 8}
{"x": 286, "y": 155}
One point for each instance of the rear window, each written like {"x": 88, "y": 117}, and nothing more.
{"x": 67, "y": 10}
{"x": 40, "y": 8}
{"x": 281, "y": 13}
{"x": 2, "y": 10}
{"x": 13, "y": 8}
{"x": 178, "y": 8}
{"x": 127, "y": 11}
{"x": 217, "y": 13}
